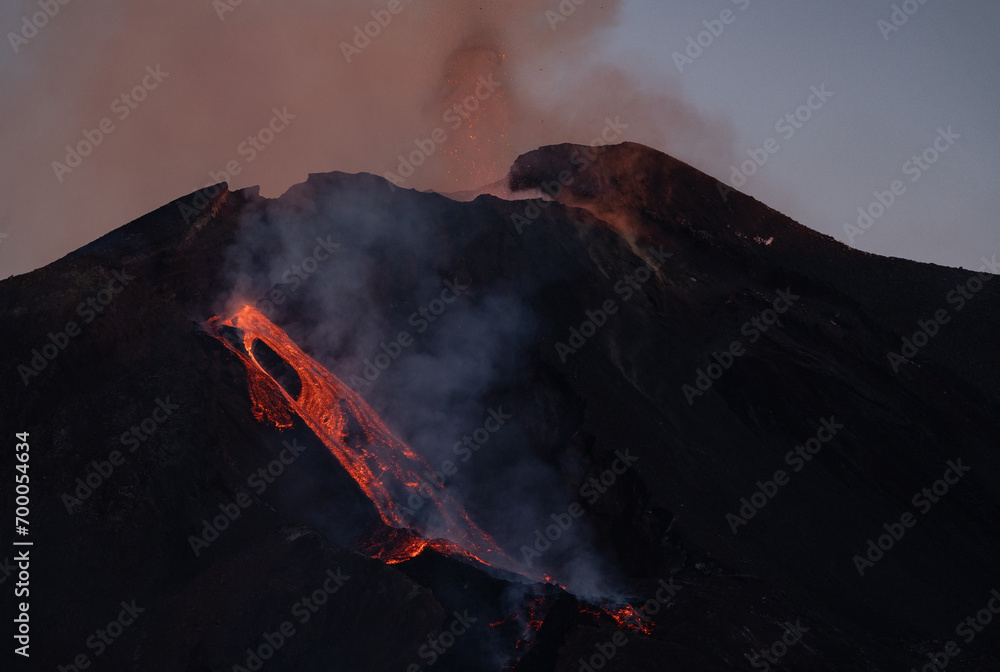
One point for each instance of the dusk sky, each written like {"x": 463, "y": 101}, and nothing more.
{"x": 903, "y": 97}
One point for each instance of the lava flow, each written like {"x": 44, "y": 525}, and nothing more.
{"x": 381, "y": 464}
{"x": 384, "y": 467}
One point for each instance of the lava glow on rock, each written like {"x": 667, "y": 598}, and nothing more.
{"x": 380, "y": 463}
{"x": 384, "y": 467}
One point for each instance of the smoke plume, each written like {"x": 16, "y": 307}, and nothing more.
{"x": 230, "y": 66}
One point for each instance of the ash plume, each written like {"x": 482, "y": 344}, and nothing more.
{"x": 356, "y": 116}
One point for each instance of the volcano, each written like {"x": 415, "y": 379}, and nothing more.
{"x": 623, "y": 418}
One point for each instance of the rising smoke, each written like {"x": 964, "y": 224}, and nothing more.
{"x": 227, "y": 75}
{"x": 229, "y": 72}
{"x": 420, "y": 313}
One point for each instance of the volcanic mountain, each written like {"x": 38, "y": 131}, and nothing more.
{"x": 642, "y": 421}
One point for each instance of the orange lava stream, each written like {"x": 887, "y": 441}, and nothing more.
{"x": 379, "y": 462}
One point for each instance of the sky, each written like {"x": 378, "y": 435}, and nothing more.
{"x": 112, "y": 109}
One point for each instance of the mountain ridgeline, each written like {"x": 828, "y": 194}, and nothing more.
{"x": 726, "y": 441}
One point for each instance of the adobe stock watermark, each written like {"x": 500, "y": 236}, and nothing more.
{"x": 786, "y": 126}
{"x": 795, "y": 458}
{"x": 612, "y": 131}
{"x": 466, "y": 448}
{"x": 266, "y": 475}
{"x": 205, "y": 196}
{"x": 254, "y": 145}
{"x": 230, "y": 512}
{"x": 438, "y": 645}
{"x": 773, "y": 654}
{"x": 959, "y": 297}
{"x": 605, "y": 651}
{"x": 249, "y": 148}
{"x": 714, "y": 28}
{"x": 914, "y": 168}
{"x": 591, "y": 490}
{"x": 596, "y": 318}
{"x": 22, "y": 589}
{"x": 37, "y": 21}
{"x": 100, "y": 641}
{"x": 88, "y": 309}
{"x": 899, "y": 17}
{"x": 567, "y": 8}
{"x": 100, "y": 471}
{"x": 294, "y": 277}
{"x": 421, "y": 319}
{"x": 303, "y": 610}
{"x": 381, "y": 18}
{"x": 968, "y": 629}
{"x": 122, "y": 106}
{"x": 924, "y": 501}
{"x": 753, "y": 329}
{"x": 454, "y": 116}
{"x": 223, "y": 7}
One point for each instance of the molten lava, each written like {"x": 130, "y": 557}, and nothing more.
{"x": 631, "y": 618}
{"x": 627, "y": 617}
{"x": 383, "y": 466}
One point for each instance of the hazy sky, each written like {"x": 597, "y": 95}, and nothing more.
{"x": 212, "y": 74}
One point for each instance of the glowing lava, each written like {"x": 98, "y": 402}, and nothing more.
{"x": 627, "y": 617}
{"x": 631, "y": 618}
{"x": 383, "y": 466}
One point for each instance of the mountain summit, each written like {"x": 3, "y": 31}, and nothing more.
{"x": 641, "y": 422}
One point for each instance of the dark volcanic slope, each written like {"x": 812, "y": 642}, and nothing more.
{"x": 532, "y": 271}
